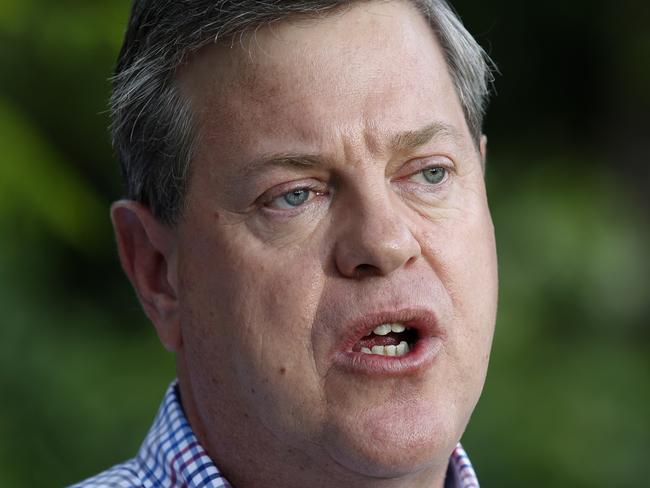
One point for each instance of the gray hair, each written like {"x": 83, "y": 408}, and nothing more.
{"x": 152, "y": 130}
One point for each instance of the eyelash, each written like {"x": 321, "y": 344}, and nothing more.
{"x": 317, "y": 191}
{"x": 421, "y": 172}
{"x": 313, "y": 193}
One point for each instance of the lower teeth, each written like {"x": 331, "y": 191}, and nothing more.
{"x": 400, "y": 350}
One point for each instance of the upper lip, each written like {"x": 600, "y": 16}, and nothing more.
{"x": 422, "y": 320}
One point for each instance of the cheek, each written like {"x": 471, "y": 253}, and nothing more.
{"x": 252, "y": 310}
{"x": 463, "y": 255}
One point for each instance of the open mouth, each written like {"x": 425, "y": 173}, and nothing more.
{"x": 389, "y": 339}
{"x": 392, "y": 343}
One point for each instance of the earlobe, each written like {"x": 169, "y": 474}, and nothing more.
{"x": 147, "y": 252}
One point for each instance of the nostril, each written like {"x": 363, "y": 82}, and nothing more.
{"x": 366, "y": 270}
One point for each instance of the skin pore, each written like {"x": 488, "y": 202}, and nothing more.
{"x": 334, "y": 184}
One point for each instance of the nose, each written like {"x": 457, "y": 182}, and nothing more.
{"x": 374, "y": 238}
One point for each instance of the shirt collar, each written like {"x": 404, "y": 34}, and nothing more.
{"x": 172, "y": 456}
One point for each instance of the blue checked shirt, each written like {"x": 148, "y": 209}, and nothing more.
{"x": 172, "y": 457}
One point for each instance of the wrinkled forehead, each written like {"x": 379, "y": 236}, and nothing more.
{"x": 373, "y": 41}
{"x": 375, "y": 67}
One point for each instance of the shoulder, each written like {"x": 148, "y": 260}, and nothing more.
{"x": 125, "y": 475}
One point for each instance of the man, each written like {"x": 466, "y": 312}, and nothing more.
{"x": 307, "y": 229}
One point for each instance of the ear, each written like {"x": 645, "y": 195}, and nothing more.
{"x": 147, "y": 252}
{"x": 483, "y": 150}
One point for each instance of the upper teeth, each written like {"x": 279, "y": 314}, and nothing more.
{"x": 384, "y": 329}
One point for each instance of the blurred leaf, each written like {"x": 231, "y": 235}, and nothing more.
{"x": 36, "y": 183}
{"x": 65, "y": 24}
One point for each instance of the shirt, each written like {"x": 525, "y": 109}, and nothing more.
{"x": 172, "y": 457}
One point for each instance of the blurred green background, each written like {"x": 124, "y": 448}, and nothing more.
{"x": 566, "y": 401}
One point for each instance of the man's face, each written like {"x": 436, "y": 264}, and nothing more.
{"x": 335, "y": 187}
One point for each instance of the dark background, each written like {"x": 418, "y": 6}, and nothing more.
{"x": 566, "y": 401}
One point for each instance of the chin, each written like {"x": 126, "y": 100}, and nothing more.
{"x": 395, "y": 443}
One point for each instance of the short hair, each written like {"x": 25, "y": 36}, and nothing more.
{"x": 152, "y": 128}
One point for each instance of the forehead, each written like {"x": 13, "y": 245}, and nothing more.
{"x": 367, "y": 71}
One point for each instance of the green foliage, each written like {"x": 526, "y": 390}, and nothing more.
{"x": 81, "y": 372}
{"x": 36, "y": 184}
{"x": 566, "y": 400}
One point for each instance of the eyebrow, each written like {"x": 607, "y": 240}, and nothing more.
{"x": 399, "y": 142}
{"x": 283, "y": 160}
{"x": 412, "y": 139}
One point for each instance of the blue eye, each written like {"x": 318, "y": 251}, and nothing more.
{"x": 292, "y": 199}
{"x": 434, "y": 175}
{"x": 297, "y": 197}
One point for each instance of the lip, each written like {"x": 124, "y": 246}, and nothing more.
{"x": 420, "y": 358}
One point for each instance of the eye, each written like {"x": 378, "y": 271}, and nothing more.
{"x": 292, "y": 199}
{"x": 433, "y": 175}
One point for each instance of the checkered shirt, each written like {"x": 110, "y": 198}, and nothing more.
{"x": 172, "y": 457}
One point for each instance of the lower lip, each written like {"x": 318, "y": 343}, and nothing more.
{"x": 418, "y": 359}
